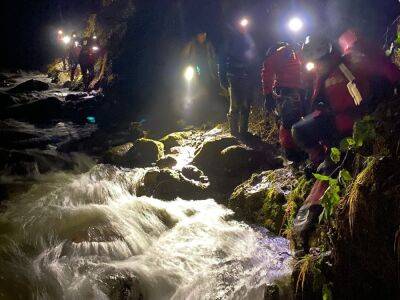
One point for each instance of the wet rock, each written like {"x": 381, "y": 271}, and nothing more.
{"x": 6, "y": 100}
{"x": 167, "y": 162}
{"x": 240, "y": 158}
{"x": 32, "y": 162}
{"x": 144, "y": 153}
{"x": 119, "y": 284}
{"x": 271, "y": 292}
{"x": 41, "y": 110}
{"x": 75, "y": 96}
{"x": 192, "y": 172}
{"x": 30, "y": 86}
{"x": 209, "y": 157}
{"x": 260, "y": 199}
{"x": 5, "y": 81}
{"x": 168, "y": 185}
{"x": 117, "y": 155}
{"x": 66, "y": 85}
{"x": 174, "y": 139}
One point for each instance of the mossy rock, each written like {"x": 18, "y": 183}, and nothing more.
{"x": 144, "y": 152}
{"x": 167, "y": 162}
{"x": 192, "y": 172}
{"x": 238, "y": 158}
{"x": 117, "y": 155}
{"x": 169, "y": 185}
{"x": 261, "y": 199}
{"x": 174, "y": 139}
{"x": 209, "y": 155}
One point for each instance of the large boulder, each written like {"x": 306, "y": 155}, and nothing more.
{"x": 168, "y": 185}
{"x": 240, "y": 159}
{"x": 117, "y": 155}
{"x": 261, "y": 199}
{"x": 209, "y": 157}
{"x": 30, "y": 86}
{"x": 174, "y": 139}
{"x": 145, "y": 152}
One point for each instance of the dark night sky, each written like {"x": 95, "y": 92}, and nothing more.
{"x": 28, "y": 27}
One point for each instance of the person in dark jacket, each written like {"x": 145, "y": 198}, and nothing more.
{"x": 238, "y": 74}
{"x": 200, "y": 53}
{"x": 87, "y": 59}
{"x": 74, "y": 52}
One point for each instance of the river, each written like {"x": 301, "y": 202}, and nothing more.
{"x": 84, "y": 234}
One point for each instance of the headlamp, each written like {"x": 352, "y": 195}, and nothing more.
{"x": 66, "y": 39}
{"x": 310, "y": 66}
{"x": 244, "y": 22}
{"x": 189, "y": 73}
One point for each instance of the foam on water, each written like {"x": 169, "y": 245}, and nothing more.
{"x": 89, "y": 237}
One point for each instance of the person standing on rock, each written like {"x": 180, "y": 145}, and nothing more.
{"x": 73, "y": 55}
{"x": 283, "y": 90}
{"x": 238, "y": 74}
{"x": 200, "y": 53}
{"x": 347, "y": 86}
{"x": 87, "y": 59}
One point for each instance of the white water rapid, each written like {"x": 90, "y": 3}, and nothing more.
{"x": 89, "y": 237}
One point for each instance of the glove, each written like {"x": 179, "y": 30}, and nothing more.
{"x": 270, "y": 103}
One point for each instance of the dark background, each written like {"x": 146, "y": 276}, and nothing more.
{"x": 29, "y": 28}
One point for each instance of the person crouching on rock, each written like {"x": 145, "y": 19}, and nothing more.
{"x": 238, "y": 74}
{"x": 283, "y": 90}
{"x": 346, "y": 87}
{"x": 87, "y": 59}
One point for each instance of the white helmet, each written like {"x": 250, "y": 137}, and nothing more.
{"x": 316, "y": 47}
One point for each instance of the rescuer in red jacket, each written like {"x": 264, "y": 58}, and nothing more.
{"x": 283, "y": 90}
{"x": 346, "y": 87}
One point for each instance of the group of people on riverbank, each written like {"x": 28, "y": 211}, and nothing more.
{"x": 318, "y": 90}
{"x": 82, "y": 51}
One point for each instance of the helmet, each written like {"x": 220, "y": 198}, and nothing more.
{"x": 316, "y": 47}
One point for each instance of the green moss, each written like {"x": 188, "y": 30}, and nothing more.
{"x": 272, "y": 210}
{"x": 296, "y": 198}
{"x": 175, "y": 139}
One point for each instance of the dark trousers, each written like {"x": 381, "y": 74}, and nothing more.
{"x": 290, "y": 106}
{"x": 87, "y": 73}
{"x": 240, "y": 94}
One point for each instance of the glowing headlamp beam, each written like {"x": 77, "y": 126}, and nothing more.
{"x": 66, "y": 39}
{"x": 310, "y": 66}
{"x": 244, "y": 22}
{"x": 295, "y": 24}
{"x": 189, "y": 73}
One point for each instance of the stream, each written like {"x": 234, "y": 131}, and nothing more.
{"x": 84, "y": 234}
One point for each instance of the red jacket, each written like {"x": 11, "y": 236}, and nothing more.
{"x": 283, "y": 69}
{"x": 366, "y": 65}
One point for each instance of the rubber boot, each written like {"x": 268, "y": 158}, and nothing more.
{"x": 233, "y": 120}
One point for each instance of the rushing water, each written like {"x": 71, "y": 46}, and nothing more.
{"x": 89, "y": 237}
{"x": 75, "y": 235}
